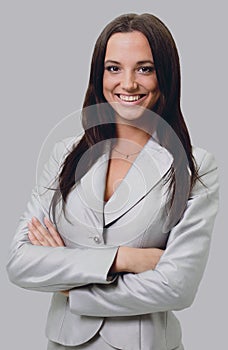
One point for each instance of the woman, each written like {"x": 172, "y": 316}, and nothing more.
{"x": 119, "y": 226}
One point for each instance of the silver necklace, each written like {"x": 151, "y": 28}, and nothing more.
{"x": 126, "y": 155}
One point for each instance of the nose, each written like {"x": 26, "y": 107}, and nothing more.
{"x": 128, "y": 82}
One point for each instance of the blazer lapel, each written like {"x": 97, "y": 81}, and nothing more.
{"x": 92, "y": 188}
{"x": 149, "y": 167}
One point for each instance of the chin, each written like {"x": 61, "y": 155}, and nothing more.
{"x": 128, "y": 113}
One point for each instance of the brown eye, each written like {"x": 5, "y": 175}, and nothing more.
{"x": 146, "y": 69}
{"x": 113, "y": 69}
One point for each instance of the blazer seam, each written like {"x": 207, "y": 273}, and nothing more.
{"x": 166, "y": 324}
{"x": 64, "y": 316}
{"x": 140, "y": 332}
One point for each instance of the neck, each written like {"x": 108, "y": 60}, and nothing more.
{"x": 138, "y": 129}
{"x": 130, "y": 139}
{"x": 131, "y": 133}
{"x": 128, "y": 131}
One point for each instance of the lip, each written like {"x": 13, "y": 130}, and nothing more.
{"x": 131, "y": 103}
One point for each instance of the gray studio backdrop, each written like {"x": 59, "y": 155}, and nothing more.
{"x": 46, "y": 48}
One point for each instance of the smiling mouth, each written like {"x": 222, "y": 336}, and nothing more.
{"x": 130, "y": 98}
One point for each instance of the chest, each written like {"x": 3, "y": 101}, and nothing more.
{"x": 134, "y": 212}
{"x": 116, "y": 172}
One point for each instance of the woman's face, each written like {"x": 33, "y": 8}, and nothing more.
{"x": 129, "y": 80}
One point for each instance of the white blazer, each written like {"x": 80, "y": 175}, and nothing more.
{"x": 131, "y": 311}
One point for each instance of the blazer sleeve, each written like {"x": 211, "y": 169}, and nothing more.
{"x": 174, "y": 282}
{"x": 52, "y": 269}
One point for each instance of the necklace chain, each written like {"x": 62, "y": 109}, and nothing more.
{"x": 126, "y": 155}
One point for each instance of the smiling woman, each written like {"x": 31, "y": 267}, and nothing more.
{"x": 129, "y": 76}
{"x": 119, "y": 225}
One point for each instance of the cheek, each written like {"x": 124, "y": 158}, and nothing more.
{"x": 110, "y": 81}
{"x": 154, "y": 88}
{"x": 106, "y": 89}
{"x": 107, "y": 81}
{"x": 149, "y": 83}
{"x": 154, "y": 91}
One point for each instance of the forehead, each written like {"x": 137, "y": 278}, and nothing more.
{"x": 124, "y": 45}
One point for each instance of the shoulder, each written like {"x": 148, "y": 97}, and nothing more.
{"x": 53, "y": 165}
{"x": 205, "y": 161}
{"x": 207, "y": 170}
{"x": 64, "y": 146}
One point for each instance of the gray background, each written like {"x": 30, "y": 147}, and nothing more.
{"x": 46, "y": 48}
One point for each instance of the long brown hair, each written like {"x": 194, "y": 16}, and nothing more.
{"x": 100, "y": 125}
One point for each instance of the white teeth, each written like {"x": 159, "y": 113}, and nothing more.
{"x": 130, "y": 98}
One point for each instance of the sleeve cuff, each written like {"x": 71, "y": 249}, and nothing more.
{"x": 105, "y": 263}
{"x": 101, "y": 268}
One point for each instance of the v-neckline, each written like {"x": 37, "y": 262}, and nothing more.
{"x": 125, "y": 176}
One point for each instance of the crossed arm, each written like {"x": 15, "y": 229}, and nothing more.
{"x": 158, "y": 280}
{"x": 127, "y": 259}
{"x": 38, "y": 259}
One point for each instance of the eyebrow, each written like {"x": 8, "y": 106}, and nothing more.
{"x": 138, "y": 63}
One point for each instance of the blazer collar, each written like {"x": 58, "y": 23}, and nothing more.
{"x": 151, "y": 164}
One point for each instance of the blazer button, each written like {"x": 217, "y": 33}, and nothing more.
{"x": 97, "y": 239}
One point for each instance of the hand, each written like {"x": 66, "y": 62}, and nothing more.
{"x": 65, "y": 292}
{"x": 48, "y": 237}
{"x": 44, "y": 236}
{"x": 136, "y": 260}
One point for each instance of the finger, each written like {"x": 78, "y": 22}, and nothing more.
{"x": 55, "y": 235}
{"x": 49, "y": 233}
{"x": 65, "y": 292}
{"x": 41, "y": 233}
{"x": 36, "y": 233}
{"x": 33, "y": 239}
